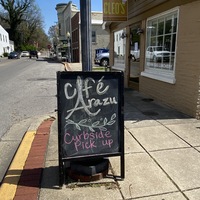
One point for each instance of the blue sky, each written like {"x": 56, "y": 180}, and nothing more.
{"x": 49, "y": 12}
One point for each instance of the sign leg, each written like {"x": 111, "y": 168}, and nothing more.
{"x": 122, "y": 166}
{"x": 61, "y": 173}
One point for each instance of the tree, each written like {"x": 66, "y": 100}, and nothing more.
{"x": 13, "y": 15}
{"x": 53, "y": 34}
{"x": 53, "y": 31}
{"x": 24, "y": 22}
{"x": 32, "y": 26}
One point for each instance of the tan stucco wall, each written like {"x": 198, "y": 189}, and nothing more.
{"x": 184, "y": 94}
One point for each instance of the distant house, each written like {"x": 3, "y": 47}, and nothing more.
{"x": 5, "y": 46}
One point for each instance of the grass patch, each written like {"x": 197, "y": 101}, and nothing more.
{"x": 103, "y": 69}
{"x": 98, "y": 68}
{"x": 108, "y": 186}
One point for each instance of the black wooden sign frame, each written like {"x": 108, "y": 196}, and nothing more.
{"x": 90, "y": 116}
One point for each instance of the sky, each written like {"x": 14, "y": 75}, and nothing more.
{"x": 49, "y": 13}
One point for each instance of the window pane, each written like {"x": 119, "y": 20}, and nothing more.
{"x": 173, "y": 42}
{"x": 168, "y": 25}
{"x": 160, "y": 26}
{"x": 167, "y": 42}
{"x": 154, "y": 28}
{"x": 160, "y": 41}
{"x": 153, "y": 41}
{"x": 174, "y": 25}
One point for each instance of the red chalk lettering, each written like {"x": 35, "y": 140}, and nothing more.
{"x": 77, "y": 144}
{"x": 107, "y": 134}
{"x": 107, "y": 142}
{"x": 110, "y": 141}
{"x": 84, "y": 145}
{"x": 85, "y": 136}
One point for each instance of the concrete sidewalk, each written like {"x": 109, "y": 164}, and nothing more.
{"x": 162, "y": 158}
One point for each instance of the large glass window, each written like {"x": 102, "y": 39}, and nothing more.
{"x": 161, "y": 46}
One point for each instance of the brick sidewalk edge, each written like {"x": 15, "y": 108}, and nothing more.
{"x": 29, "y": 183}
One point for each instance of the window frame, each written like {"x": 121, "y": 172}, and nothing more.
{"x": 152, "y": 70}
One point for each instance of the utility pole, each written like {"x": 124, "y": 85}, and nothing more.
{"x": 85, "y": 10}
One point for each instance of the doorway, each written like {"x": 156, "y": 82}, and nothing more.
{"x": 134, "y": 57}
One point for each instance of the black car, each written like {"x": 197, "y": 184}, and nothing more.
{"x": 13, "y": 55}
{"x": 33, "y": 54}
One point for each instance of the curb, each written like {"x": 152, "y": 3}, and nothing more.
{"x": 30, "y": 178}
{"x": 27, "y": 179}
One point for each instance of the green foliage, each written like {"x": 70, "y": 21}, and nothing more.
{"x": 13, "y": 16}
{"x": 5, "y": 54}
{"x": 27, "y": 47}
{"x": 23, "y": 20}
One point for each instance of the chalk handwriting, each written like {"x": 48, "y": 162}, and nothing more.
{"x": 88, "y": 140}
{"x": 100, "y": 124}
{"x": 83, "y": 86}
{"x": 93, "y": 132}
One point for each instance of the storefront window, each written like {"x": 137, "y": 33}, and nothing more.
{"x": 119, "y": 48}
{"x": 161, "y": 46}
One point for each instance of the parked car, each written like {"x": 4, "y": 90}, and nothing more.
{"x": 102, "y": 57}
{"x": 24, "y": 54}
{"x": 157, "y": 53}
{"x": 13, "y": 55}
{"x": 33, "y": 54}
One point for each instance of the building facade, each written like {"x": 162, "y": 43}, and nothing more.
{"x": 100, "y": 37}
{"x": 69, "y": 22}
{"x": 65, "y": 11}
{"x": 161, "y": 39}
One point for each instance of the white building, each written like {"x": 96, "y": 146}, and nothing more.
{"x": 5, "y": 46}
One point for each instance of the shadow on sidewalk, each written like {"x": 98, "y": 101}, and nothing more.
{"x": 47, "y": 178}
{"x": 33, "y": 177}
{"x": 138, "y": 107}
{"x": 46, "y": 59}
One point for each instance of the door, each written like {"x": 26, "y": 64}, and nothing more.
{"x": 134, "y": 57}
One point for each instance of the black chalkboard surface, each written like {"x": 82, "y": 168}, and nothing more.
{"x": 90, "y": 114}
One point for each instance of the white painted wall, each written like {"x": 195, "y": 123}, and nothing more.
{"x": 4, "y": 42}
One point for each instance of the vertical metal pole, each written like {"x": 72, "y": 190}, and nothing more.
{"x": 85, "y": 10}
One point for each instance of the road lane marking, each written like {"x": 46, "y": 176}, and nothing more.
{"x": 9, "y": 184}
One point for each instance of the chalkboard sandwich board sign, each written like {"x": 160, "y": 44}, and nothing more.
{"x": 90, "y": 115}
